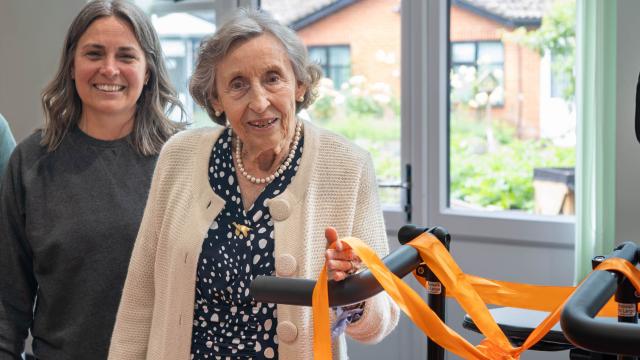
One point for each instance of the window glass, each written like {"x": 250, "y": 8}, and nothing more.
{"x": 319, "y": 55}
{"x": 180, "y": 34}
{"x": 335, "y": 62}
{"x": 512, "y": 113}
{"x": 340, "y": 55}
{"x": 490, "y": 53}
{"x": 463, "y": 53}
{"x": 359, "y": 96}
{"x": 478, "y": 67}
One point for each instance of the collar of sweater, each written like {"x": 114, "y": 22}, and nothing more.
{"x": 293, "y": 194}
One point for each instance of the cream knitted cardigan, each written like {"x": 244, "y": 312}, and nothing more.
{"x": 334, "y": 186}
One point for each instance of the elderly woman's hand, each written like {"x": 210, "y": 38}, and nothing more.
{"x": 341, "y": 260}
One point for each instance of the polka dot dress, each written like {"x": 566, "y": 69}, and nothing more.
{"x": 228, "y": 323}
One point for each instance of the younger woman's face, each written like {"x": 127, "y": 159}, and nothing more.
{"x": 109, "y": 69}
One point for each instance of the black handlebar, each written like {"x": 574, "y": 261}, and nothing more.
{"x": 578, "y": 320}
{"x": 354, "y": 289}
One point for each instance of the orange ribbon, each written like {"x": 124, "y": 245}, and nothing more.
{"x": 472, "y": 293}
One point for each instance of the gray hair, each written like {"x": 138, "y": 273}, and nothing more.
{"x": 63, "y": 107}
{"x": 246, "y": 24}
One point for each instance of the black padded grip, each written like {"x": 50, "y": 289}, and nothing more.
{"x": 578, "y": 320}
{"x": 354, "y": 289}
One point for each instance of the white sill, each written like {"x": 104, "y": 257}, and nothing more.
{"x": 508, "y": 226}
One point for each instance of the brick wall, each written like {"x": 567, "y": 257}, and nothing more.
{"x": 371, "y": 26}
{"x": 521, "y": 70}
{"x": 368, "y": 26}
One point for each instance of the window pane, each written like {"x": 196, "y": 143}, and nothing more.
{"x": 340, "y": 55}
{"x": 180, "y": 34}
{"x": 463, "y": 53}
{"x": 318, "y": 55}
{"x": 490, "y": 53}
{"x": 175, "y": 55}
{"x": 491, "y": 81}
{"x": 512, "y": 113}
{"x": 339, "y": 75}
{"x": 360, "y": 96}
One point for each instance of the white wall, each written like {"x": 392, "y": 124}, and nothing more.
{"x": 627, "y": 147}
{"x": 31, "y": 38}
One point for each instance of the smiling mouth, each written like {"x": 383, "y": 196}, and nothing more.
{"x": 109, "y": 87}
{"x": 260, "y": 124}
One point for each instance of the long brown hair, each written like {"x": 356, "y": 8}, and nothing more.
{"x": 63, "y": 107}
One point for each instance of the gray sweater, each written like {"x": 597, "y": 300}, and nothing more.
{"x": 68, "y": 221}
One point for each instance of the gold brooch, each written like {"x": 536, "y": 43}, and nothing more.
{"x": 241, "y": 229}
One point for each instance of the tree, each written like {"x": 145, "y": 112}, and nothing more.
{"x": 556, "y": 36}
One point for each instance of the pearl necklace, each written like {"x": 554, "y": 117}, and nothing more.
{"x": 281, "y": 169}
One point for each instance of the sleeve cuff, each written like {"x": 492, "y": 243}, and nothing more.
{"x": 344, "y": 316}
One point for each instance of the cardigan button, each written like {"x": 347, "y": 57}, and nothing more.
{"x": 286, "y": 265}
{"x": 279, "y": 209}
{"x": 287, "y": 332}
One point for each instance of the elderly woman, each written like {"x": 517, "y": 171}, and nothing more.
{"x": 74, "y": 192}
{"x": 252, "y": 198}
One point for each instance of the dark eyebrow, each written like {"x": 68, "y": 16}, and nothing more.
{"x": 273, "y": 68}
{"x": 128, "y": 48}
{"x": 235, "y": 74}
{"x": 101, "y": 47}
{"x": 92, "y": 46}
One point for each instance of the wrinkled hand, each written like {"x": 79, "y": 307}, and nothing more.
{"x": 341, "y": 260}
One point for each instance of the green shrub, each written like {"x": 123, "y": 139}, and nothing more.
{"x": 501, "y": 180}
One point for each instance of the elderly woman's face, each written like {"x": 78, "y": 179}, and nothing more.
{"x": 257, "y": 90}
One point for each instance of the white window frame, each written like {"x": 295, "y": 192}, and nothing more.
{"x": 425, "y": 26}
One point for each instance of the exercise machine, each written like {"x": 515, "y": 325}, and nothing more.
{"x": 588, "y": 337}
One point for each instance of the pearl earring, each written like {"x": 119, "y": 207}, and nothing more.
{"x": 301, "y": 98}
{"x": 218, "y": 113}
